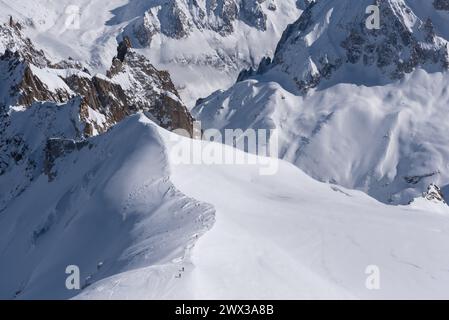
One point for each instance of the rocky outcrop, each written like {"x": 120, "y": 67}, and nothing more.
{"x": 395, "y": 49}
{"x": 12, "y": 39}
{"x": 150, "y": 90}
{"x": 402, "y": 44}
{"x": 177, "y": 18}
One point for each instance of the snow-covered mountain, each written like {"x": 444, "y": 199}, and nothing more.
{"x": 356, "y": 107}
{"x": 196, "y": 38}
{"x": 132, "y": 84}
{"x": 108, "y": 207}
{"x": 125, "y": 213}
{"x": 90, "y": 173}
{"x": 191, "y": 38}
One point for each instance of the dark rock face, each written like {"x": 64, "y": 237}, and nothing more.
{"x": 441, "y": 4}
{"x": 123, "y": 48}
{"x": 147, "y": 89}
{"x": 103, "y": 96}
{"x": 252, "y": 13}
{"x": 151, "y": 91}
{"x": 248, "y": 73}
{"x": 21, "y": 86}
{"x": 56, "y": 148}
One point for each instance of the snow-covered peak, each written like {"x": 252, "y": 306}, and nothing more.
{"x": 13, "y": 40}
{"x": 110, "y": 208}
{"x": 376, "y": 120}
{"x": 331, "y": 41}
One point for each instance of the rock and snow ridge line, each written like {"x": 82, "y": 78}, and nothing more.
{"x": 49, "y": 109}
{"x": 356, "y": 126}
{"x": 190, "y": 39}
{"x": 332, "y": 35}
{"x": 288, "y": 236}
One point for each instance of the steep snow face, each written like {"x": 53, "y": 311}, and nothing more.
{"x": 194, "y": 39}
{"x": 356, "y": 107}
{"x": 110, "y": 207}
{"x": 191, "y": 38}
{"x": 288, "y": 236}
{"x": 25, "y": 133}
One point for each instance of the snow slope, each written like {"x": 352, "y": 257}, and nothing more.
{"x": 288, "y": 236}
{"x": 89, "y": 34}
{"x": 140, "y": 225}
